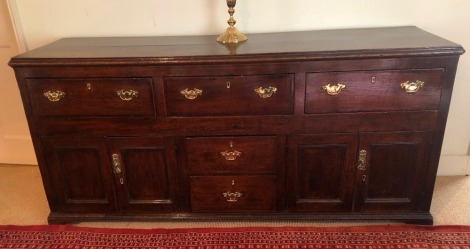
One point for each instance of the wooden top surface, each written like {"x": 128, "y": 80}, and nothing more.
{"x": 305, "y": 45}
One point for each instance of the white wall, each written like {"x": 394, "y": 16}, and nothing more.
{"x": 47, "y": 20}
{"x": 15, "y": 143}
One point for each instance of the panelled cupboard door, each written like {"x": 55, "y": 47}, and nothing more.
{"x": 144, "y": 173}
{"x": 321, "y": 172}
{"x": 392, "y": 170}
{"x": 80, "y": 175}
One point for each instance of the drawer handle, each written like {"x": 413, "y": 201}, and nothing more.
{"x": 230, "y": 155}
{"x": 232, "y": 196}
{"x": 266, "y": 92}
{"x": 412, "y": 87}
{"x": 54, "y": 96}
{"x": 127, "y": 95}
{"x": 191, "y": 94}
{"x": 333, "y": 89}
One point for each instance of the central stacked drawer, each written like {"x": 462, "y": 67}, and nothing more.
{"x": 232, "y": 174}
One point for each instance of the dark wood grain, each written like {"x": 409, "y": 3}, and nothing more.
{"x": 256, "y": 155}
{"x": 373, "y": 91}
{"x": 299, "y": 149}
{"x": 207, "y": 194}
{"x": 92, "y": 97}
{"x": 148, "y": 173}
{"x": 80, "y": 174}
{"x": 321, "y": 171}
{"x": 234, "y": 95}
{"x": 396, "y": 168}
{"x": 341, "y": 43}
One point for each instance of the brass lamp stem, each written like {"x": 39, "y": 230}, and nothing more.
{"x": 231, "y": 34}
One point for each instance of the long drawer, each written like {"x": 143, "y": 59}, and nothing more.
{"x": 233, "y": 194}
{"x": 357, "y": 91}
{"x": 229, "y": 95}
{"x": 91, "y": 97}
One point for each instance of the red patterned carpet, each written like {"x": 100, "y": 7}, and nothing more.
{"x": 366, "y": 237}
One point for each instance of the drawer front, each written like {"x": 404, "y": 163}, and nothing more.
{"x": 229, "y": 95}
{"x": 401, "y": 90}
{"x": 92, "y": 97}
{"x": 231, "y": 154}
{"x": 233, "y": 193}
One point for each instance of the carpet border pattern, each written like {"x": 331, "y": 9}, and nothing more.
{"x": 360, "y": 237}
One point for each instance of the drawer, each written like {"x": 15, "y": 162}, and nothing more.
{"x": 392, "y": 90}
{"x": 231, "y": 154}
{"x": 229, "y": 95}
{"x": 92, "y": 97}
{"x": 233, "y": 194}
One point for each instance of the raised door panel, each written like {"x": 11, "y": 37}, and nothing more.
{"x": 80, "y": 175}
{"x": 394, "y": 171}
{"x": 321, "y": 172}
{"x": 144, "y": 171}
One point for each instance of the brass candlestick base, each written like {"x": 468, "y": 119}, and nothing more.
{"x": 231, "y": 34}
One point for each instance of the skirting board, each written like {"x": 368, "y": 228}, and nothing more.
{"x": 454, "y": 165}
{"x": 18, "y": 28}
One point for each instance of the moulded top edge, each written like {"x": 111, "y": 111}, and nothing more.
{"x": 345, "y": 43}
